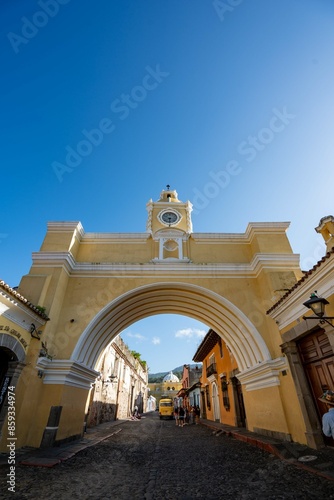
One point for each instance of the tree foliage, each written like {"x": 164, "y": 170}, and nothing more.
{"x": 137, "y": 356}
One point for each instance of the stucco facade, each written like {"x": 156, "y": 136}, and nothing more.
{"x": 221, "y": 394}
{"x": 94, "y": 285}
{"x": 308, "y": 344}
{"x": 21, "y": 326}
{"x": 191, "y": 388}
{"x": 121, "y": 385}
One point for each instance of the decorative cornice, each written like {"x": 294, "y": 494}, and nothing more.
{"x": 221, "y": 270}
{"x": 263, "y": 375}
{"x": 66, "y": 372}
{"x": 54, "y": 259}
{"x": 128, "y": 359}
{"x": 62, "y": 227}
{"x": 274, "y": 261}
{"x": 213, "y": 378}
{"x": 253, "y": 229}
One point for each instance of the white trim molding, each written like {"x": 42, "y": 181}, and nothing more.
{"x": 253, "y": 228}
{"x": 66, "y": 372}
{"x": 263, "y": 375}
{"x": 66, "y": 261}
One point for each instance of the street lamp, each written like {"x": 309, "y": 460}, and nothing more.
{"x": 317, "y": 305}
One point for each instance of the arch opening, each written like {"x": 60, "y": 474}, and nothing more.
{"x": 245, "y": 342}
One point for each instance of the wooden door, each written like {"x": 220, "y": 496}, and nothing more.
{"x": 318, "y": 361}
{"x": 240, "y": 413}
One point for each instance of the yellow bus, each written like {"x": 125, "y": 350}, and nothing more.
{"x": 166, "y": 408}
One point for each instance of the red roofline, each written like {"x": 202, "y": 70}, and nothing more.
{"x": 299, "y": 282}
{"x": 23, "y": 300}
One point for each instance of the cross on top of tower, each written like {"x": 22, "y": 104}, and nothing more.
{"x": 168, "y": 187}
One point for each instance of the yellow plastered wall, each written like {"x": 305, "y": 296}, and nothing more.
{"x": 81, "y": 297}
{"x": 291, "y": 408}
{"x": 33, "y": 402}
{"x": 262, "y": 244}
{"x": 265, "y": 410}
{"x": 72, "y": 417}
{"x": 115, "y": 252}
{"x": 219, "y": 252}
{"x": 59, "y": 242}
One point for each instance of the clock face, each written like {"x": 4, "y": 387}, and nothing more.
{"x": 170, "y": 218}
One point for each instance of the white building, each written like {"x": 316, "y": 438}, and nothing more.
{"x": 121, "y": 386}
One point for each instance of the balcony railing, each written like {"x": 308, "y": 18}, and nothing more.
{"x": 211, "y": 369}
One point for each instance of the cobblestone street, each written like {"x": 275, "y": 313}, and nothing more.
{"x": 153, "y": 459}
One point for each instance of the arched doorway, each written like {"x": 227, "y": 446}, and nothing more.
{"x": 6, "y": 355}
{"x": 12, "y": 356}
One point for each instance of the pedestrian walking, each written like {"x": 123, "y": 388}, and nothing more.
{"x": 192, "y": 415}
{"x": 181, "y": 416}
{"x": 197, "y": 414}
{"x": 328, "y": 417}
{"x": 186, "y": 415}
{"x": 176, "y": 415}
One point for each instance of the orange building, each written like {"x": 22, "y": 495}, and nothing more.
{"x": 221, "y": 394}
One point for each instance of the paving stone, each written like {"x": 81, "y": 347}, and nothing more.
{"x": 155, "y": 460}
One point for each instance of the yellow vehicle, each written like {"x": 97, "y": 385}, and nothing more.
{"x": 166, "y": 408}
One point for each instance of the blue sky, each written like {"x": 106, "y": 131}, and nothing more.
{"x": 104, "y": 103}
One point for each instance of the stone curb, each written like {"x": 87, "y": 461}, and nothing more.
{"x": 62, "y": 455}
{"x": 268, "y": 445}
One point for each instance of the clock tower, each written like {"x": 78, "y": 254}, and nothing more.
{"x": 169, "y": 223}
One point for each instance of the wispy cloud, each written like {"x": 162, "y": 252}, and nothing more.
{"x": 136, "y": 336}
{"x": 190, "y": 333}
{"x": 156, "y": 341}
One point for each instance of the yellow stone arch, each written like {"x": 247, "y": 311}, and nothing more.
{"x": 245, "y": 342}
{"x": 222, "y": 280}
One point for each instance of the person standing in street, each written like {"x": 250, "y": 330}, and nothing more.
{"x": 197, "y": 414}
{"x": 181, "y": 416}
{"x": 328, "y": 418}
{"x": 192, "y": 415}
{"x": 176, "y": 415}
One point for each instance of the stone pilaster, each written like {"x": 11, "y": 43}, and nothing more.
{"x": 313, "y": 429}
